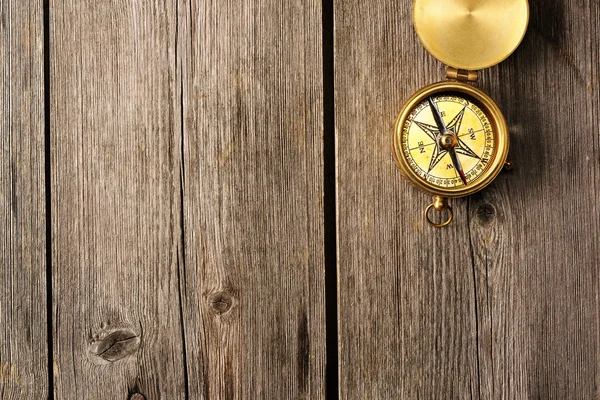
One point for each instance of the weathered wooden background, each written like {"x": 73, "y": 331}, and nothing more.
{"x": 169, "y": 221}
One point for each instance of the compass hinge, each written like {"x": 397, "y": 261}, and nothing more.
{"x": 461, "y": 75}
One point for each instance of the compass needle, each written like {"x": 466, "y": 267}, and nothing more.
{"x": 447, "y": 138}
{"x": 437, "y": 116}
{"x": 458, "y": 166}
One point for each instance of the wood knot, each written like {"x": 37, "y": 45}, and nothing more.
{"x": 137, "y": 396}
{"x": 485, "y": 215}
{"x": 220, "y": 302}
{"x": 116, "y": 345}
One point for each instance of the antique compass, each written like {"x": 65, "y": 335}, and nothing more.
{"x": 450, "y": 138}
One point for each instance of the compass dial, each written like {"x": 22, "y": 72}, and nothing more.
{"x": 466, "y": 141}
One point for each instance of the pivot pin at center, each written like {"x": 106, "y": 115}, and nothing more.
{"x": 448, "y": 141}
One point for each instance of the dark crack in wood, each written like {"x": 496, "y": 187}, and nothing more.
{"x": 116, "y": 345}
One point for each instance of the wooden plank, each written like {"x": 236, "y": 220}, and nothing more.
{"x": 115, "y": 200}
{"x": 253, "y": 278}
{"x": 535, "y": 233}
{"x": 23, "y": 329}
{"x": 406, "y": 323}
{"x": 502, "y": 304}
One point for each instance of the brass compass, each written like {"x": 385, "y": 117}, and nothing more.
{"x": 450, "y": 138}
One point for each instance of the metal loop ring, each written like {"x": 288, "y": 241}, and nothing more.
{"x": 443, "y": 224}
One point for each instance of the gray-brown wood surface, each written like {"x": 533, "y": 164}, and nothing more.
{"x": 23, "y": 313}
{"x": 252, "y": 271}
{"x": 504, "y": 302}
{"x": 186, "y": 199}
{"x": 116, "y": 234}
{"x": 187, "y": 167}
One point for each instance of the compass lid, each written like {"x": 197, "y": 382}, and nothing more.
{"x": 471, "y": 34}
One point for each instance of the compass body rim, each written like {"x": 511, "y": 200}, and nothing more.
{"x": 491, "y": 110}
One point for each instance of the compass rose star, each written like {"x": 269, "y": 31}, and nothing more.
{"x": 454, "y": 127}
{"x": 438, "y": 150}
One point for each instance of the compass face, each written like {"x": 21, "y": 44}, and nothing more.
{"x": 456, "y": 152}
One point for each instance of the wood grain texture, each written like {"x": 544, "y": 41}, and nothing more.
{"x": 186, "y": 148}
{"x": 504, "y": 302}
{"x": 253, "y": 271}
{"x": 23, "y": 328}
{"x": 116, "y": 234}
